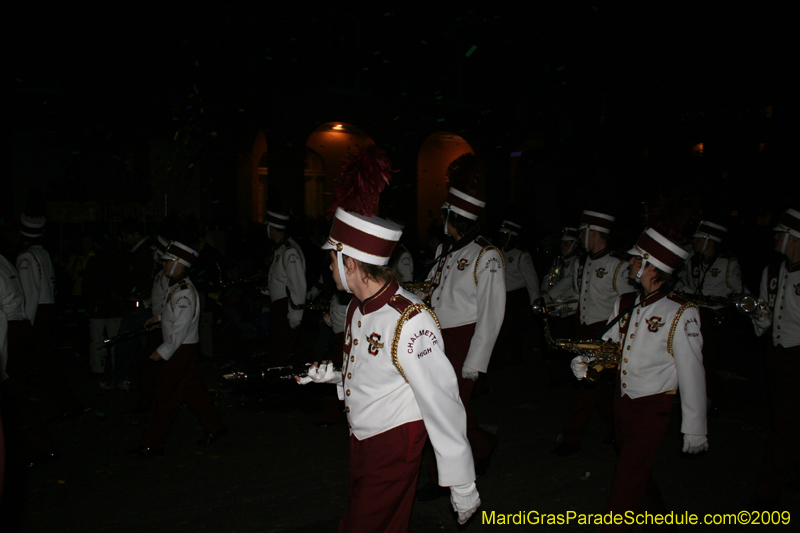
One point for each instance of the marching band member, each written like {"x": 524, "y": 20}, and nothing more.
{"x": 397, "y": 383}
{"x": 287, "y": 287}
{"x": 661, "y": 351}
{"x": 780, "y": 290}
{"x": 468, "y": 293}
{"x": 600, "y": 278}
{"x": 710, "y": 273}
{"x": 178, "y": 378}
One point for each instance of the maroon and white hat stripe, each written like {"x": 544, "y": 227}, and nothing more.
{"x": 368, "y": 239}
{"x": 463, "y": 204}
{"x": 361, "y": 240}
{"x": 569, "y": 234}
{"x": 789, "y": 222}
{"x": 596, "y": 221}
{"x": 180, "y": 252}
{"x": 276, "y": 219}
{"x": 510, "y": 227}
{"x": 707, "y": 229}
{"x": 32, "y": 226}
{"x": 658, "y": 250}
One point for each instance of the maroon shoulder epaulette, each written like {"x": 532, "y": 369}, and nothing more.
{"x": 617, "y": 255}
{"x": 794, "y": 267}
{"x": 482, "y": 242}
{"x": 400, "y": 303}
{"x": 677, "y": 298}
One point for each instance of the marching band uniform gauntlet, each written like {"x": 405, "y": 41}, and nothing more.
{"x": 465, "y": 500}
{"x": 580, "y": 366}
{"x": 694, "y": 443}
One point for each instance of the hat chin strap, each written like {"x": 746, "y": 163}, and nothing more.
{"x": 705, "y": 244}
{"x": 586, "y": 239}
{"x": 446, "y": 222}
{"x": 340, "y": 266}
{"x": 571, "y": 247}
{"x": 641, "y": 271}
{"x": 785, "y": 241}
{"x": 172, "y": 270}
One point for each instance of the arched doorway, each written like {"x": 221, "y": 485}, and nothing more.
{"x": 435, "y": 155}
{"x": 326, "y": 148}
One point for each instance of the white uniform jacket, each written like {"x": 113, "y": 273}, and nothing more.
{"x": 338, "y": 312}
{"x": 521, "y": 273}
{"x": 159, "y": 292}
{"x": 661, "y": 352}
{"x": 11, "y": 293}
{"x": 287, "y": 274}
{"x": 720, "y": 277}
{"x": 180, "y": 317}
{"x": 784, "y": 299}
{"x": 38, "y": 279}
{"x": 563, "y": 289}
{"x": 383, "y": 390}
{"x": 599, "y": 280}
{"x": 404, "y": 265}
{"x": 469, "y": 287}
{"x": 3, "y": 345}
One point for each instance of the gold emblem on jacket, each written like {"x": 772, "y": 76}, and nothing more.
{"x": 653, "y": 324}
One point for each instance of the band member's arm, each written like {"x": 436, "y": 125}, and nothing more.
{"x": 433, "y": 380}
{"x": 687, "y": 350}
{"x": 762, "y": 321}
{"x": 491, "y": 303}
{"x": 529, "y": 273}
{"x": 621, "y": 283}
{"x": 183, "y": 310}
{"x": 734, "y": 279}
{"x": 295, "y": 267}
{"x": 31, "y": 281}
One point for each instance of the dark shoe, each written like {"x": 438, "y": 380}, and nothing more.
{"x": 565, "y": 450}
{"x": 430, "y": 492}
{"x": 66, "y": 415}
{"x": 482, "y": 464}
{"x": 43, "y": 458}
{"x": 211, "y": 437}
{"x": 143, "y": 451}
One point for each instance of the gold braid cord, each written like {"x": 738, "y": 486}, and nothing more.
{"x": 674, "y": 325}
{"x": 616, "y": 273}
{"x": 480, "y": 256}
{"x": 398, "y": 329}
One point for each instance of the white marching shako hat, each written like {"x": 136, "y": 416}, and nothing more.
{"x": 709, "y": 230}
{"x": 659, "y": 251}
{"x": 179, "y": 252}
{"x": 31, "y": 227}
{"x": 463, "y": 204}
{"x": 367, "y": 239}
{"x": 597, "y": 221}
{"x": 276, "y": 220}
{"x": 160, "y": 245}
{"x": 789, "y": 223}
{"x": 510, "y": 227}
{"x": 569, "y": 234}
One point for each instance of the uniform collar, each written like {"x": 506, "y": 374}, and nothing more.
{"x": 794, "y": 267}
{"x": 599, "y": 254}
{"x": 652, "y": 299}
{"x": 379, "y": 299}
{"x": 175, "y": 281}
{"x": 138, "y": 244}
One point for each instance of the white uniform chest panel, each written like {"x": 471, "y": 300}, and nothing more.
{"x": 598, "y": 283}
{"x": 786, "y": 316}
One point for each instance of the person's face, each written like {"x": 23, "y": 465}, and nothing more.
{"x": 168, "y": 265}
{"x": 335, "y": 270}
{"x": 648, "y": 274}
{"x": 567, "y": 247}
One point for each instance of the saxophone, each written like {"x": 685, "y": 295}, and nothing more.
{"x": 604, "y": 354}
{"x": 557, "y": 271}
{"x": 420, "y": 288}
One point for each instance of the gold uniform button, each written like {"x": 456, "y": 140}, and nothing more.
{"x": 349, "y": 375}
{"x": 355, "y": 341}
{"x": 359, "y": 323}
{"x": 448, "y": 266}
{"x": 779, "y": 327}
{"x": 636, "y": 325}
{"x": 633, "y": 335}
{"x": 624, "y": 386}
{"x": 352, "y": 358}
{"x": 625, "y": 360}
{"x": 625, "y": 372}
{"x": 347, "y": 409}
{"x": 349, "y": 425}
{"x": 348, "y": 392}
{"x": 629, "y": 347}
{"x": 780, "y": 317}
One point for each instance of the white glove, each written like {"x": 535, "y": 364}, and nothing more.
{"x": 694, "y": 443}
{"x": 324, "y": 373}
{"x": 580, "y": 366}
{"x": 469, "y": 373}
{"x": 327, "y": 319}
{"x": 313, "y": 293}
{"x": 294, "y": 323}
{"x": 465, "y": 500}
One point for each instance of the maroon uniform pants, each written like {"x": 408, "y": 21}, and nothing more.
{"x": 383, "y": 479}
{"x": 589, "y": 396}
{"x": 781, "y": 459}
{"x": 281, "y": 337}
{"x": 456, "y": 345}
{"x": 640, "y": 426}
{"x": 178, "y": 380}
